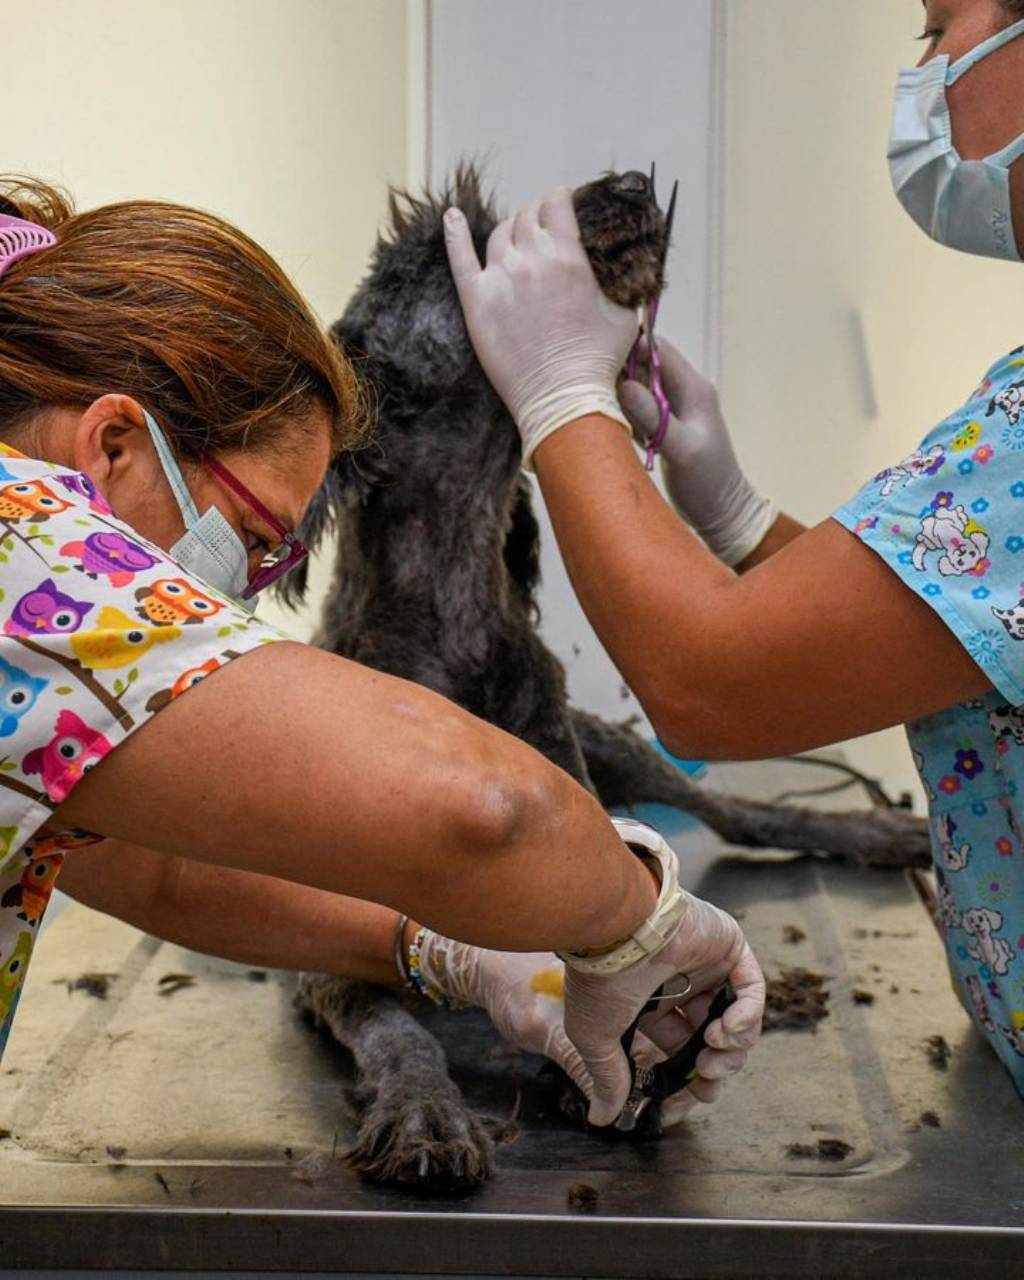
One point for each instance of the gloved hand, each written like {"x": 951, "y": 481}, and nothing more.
{"x": 702, "y": 474}
{"x": 708, "y": 947}
{"x": 522, "y": 992}
{"x": 548, "y": 339}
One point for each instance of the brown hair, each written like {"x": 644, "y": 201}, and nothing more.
{"x": 174, "y": 307}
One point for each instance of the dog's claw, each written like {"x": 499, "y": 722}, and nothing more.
{"x": 436, "y": 1143}
{"x": 414, "y": 1124}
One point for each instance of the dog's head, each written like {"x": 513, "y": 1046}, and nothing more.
{"x": 1012, "y": 619}
{"x": 405, "y": 314}
{"x": 623, "y": 231}
{"x": 404, "y": 331}
{"x": 964, "y": 554}
{"x": 1009, "y": 399}
{"x": 982, "y": 922}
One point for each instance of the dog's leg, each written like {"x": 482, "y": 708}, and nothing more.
{"x": 627, "y": 770}
{"x": 532, "y": 704}
{"x": 554, "y": 735}
{"x": 415, "y": 1127}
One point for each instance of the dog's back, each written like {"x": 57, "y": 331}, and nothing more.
{"x": 438, "y": 559}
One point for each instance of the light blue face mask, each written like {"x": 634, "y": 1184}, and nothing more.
{"x": 210, "y": 548}
{"x": 964, "y": 204}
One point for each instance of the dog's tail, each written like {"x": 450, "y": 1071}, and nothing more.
{"x": 627, "y": 770}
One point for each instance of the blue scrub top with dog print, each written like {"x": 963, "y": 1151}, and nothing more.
{"x": 949, "y": 520}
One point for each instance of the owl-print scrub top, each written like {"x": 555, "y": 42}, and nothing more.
{"x": 99, "y": 630}
{"x": 949, "y": 521}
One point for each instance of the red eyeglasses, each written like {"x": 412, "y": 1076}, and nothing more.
{"x": 285, "y": 556}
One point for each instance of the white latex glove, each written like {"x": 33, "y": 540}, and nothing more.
{"x": 522, "y": 991}
{"x": 708, "y": 947}
{"x": 548, "y": 339}
{"x": 702, "y": 475}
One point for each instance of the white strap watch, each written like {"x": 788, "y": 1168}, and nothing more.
{"x": 663, "y": 921}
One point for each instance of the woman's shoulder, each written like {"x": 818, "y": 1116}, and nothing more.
{"x": 1008, "y": 367}
{"x": 99, "y": 630}
{"x": 989, "y": 421}
{"x": 30, "y": 485}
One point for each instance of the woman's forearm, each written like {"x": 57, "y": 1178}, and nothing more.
{"x": 239, "y": 915}
{"x": 642, "y": 575}
{"x": 298, "y": 764}
{"x": 745, "y": 667}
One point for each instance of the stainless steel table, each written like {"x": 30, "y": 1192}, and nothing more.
{"x": 151, "y": 1131}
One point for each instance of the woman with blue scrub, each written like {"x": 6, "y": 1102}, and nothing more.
{"x": 906, "y": 606}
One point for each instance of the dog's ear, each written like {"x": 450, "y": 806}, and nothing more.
{"x": 350, "y": 480}
{"x": 321, "y": 519}
{"x": 522, "y": 549}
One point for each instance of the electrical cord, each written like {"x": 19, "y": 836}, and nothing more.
{"x": 835, "y": 788}
{"x": 875, "y": 791}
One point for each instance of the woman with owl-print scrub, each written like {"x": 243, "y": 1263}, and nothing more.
{"x": 760, "y": 638}
{"x": 168, "y": 408}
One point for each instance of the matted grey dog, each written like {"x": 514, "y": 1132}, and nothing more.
{"x": 436, "y": 581}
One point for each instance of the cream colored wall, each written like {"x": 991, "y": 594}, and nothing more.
{"x": 288, "y": 118}
{"x": 845, "y": 333}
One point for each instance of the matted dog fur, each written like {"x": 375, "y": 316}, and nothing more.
{"x": 436, "y": 581}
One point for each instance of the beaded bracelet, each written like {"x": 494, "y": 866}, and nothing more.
{"x": 400, "y": 964}
{"x": 418, "y": 978}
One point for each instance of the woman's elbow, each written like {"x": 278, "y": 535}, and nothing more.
{"x": 498, "y": 801}
{"x": 682, "y": 740}
{"x": 490, "y": 811}
{"x": 702, "y": 726}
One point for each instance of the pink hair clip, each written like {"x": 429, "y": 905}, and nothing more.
{"x": 19, "y": 239}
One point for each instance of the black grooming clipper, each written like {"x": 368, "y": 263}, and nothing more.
{"x": 655, "y": 1084}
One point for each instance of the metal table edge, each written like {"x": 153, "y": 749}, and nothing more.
{"x": 347, "y": 1241}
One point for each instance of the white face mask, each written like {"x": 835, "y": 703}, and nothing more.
{"x": 964, "y": 204}
{"x": 210, "y": 548}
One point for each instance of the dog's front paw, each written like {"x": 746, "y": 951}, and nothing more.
{"x": 433, "y": 1142}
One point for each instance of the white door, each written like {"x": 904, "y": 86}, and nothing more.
{"x": 557, "y": 91}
